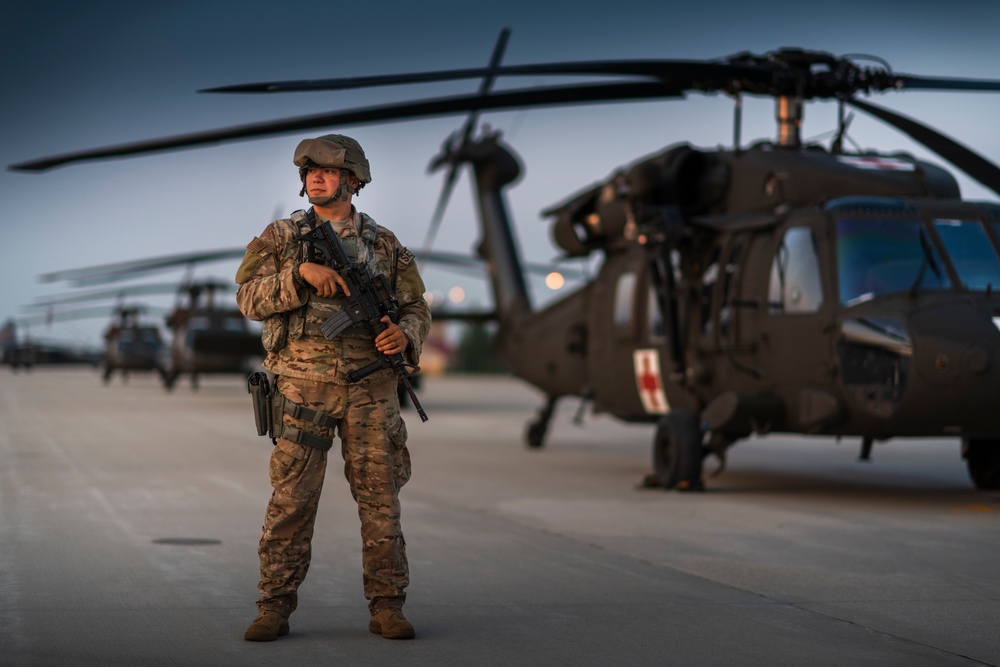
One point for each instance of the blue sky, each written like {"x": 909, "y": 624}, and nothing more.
{"x": 79, "y": 76}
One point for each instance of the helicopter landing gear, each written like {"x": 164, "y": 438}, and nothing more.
{"x": 534, "y": 437}
{"x": 170, "y": 379}
{"x": 982, "y": 456}
{"x": 677, "y": 453}
{"x": 106, "y": 377}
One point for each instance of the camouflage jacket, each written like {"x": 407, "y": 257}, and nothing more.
{"x": 292, "y": 313}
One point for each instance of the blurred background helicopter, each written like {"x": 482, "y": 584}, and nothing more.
{"x": 22, "y": 351}
{"x": 131, "y": 343}
{"x": 734, "y": 296}
{"x": 205, "y": 337}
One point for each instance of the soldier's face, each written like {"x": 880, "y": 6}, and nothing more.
{"x": 322, "y": 181}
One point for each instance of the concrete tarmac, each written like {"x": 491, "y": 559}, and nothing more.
{"x": 129, "y": 520}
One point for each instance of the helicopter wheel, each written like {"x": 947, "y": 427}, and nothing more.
{"x": 169, "y": 379}
{"x": 982, "y": 456}
{"x": 678, "y": 452}
{"x": 534, "y": 436}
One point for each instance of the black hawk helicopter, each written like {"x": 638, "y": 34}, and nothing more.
{"x": 207, "y": 338}
{"x": 25, "y": 351}
{"x": 776, "y": 287}
{"x": 130, "y": 343}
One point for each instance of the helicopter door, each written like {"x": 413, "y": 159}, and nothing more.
{"x": 796, "y": 350}
{"x": 730, "y": 329}
{"x": 615, "y": 318}
{"x": 724, "y": 321}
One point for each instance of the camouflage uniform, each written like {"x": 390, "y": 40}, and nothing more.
{"x": 312, "y": 372}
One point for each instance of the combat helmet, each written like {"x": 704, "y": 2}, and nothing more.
{"x": 333, "y": 150}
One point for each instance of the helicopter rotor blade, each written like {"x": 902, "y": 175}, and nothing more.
{"x": 467, "y": 130}
{"x": 99, "y": 295}
{"x": 439, "y": 208}
{"x": 754, "y": 74}
{"x": 125, "y": 270}
{"x": 511, "y": 99}
{"x": 87, "y": 312}
{"x": 469, "y": 264}
{"x": 911, "y": 82}
{"x": 651, "y": 69}
{"x": 973, "y": 164}
{"x": 790, "y": 72}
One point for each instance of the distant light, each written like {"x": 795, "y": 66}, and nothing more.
{"x": 456, "y": 294}
{"x": 555, "y": 280}
{"x": 429, "y": 298}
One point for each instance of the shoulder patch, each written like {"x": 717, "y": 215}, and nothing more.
{"x": 257, "y": 250}
{"x": 256, "y": 245}
{"x": 404, "y": 258}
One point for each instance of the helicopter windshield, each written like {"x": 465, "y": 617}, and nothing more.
{"x": 971, "y": 252}
{"x": 876, "y": 257}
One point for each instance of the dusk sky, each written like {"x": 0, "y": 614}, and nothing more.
{"x": 84, "y": 75}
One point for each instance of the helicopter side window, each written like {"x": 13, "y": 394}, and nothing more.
{"x": 624, "y": 307}
{"x": 795, "y": 285}
{"x": 728, "y": 283}
{"x": 199, "y": 324}
{"x": 708, "y": 279}
{"x": 971, "y": 253}
{"x": 657, "y": 327}
{"x": 876, "y": 257}
{"x": 234, "y": 324}
{"x": 657, "y": 330}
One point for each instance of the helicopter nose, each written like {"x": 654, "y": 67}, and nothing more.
{"x": 954, "y": 344}
{"x": 937, "y": 374}
{"x": 956, "y": 377}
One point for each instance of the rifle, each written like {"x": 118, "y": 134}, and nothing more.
{"x": 371, "y": 299}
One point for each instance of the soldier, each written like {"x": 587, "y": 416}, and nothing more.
{"x": 315, "y": 400}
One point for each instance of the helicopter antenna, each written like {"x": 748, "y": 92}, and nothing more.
{"x": 450, "y": 148}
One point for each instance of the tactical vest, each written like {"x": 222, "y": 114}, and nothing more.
{"x": 305, "y": 322}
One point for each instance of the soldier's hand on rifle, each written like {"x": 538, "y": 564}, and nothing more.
{"x": 392, "y": 340}
{"x": 324, "y": 279}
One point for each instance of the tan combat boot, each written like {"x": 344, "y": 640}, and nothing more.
{"x": 268, "y": 626}
{"x": 391, "y": 624}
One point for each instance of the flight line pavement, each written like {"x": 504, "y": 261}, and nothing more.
{"x": 129, "y": 519}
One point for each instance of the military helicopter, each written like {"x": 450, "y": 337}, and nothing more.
{"x": 780, "y": 286}
{"x": 206, "y": 337}
{"x": 26, "y": 352}
{"x": 130, "y": 344}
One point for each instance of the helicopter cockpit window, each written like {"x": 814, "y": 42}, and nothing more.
{"x": 235, "y": 324}
{"x": 199, "y": 324}
{"x": 796, "y": 285}
{"x": 971, "y": 253}
{"x": 876, "y": 257}
{"x": 624, "y": 309}
{"x": 657, "y": 330}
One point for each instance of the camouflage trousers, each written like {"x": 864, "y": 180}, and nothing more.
{"x": 376, "y": 464}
